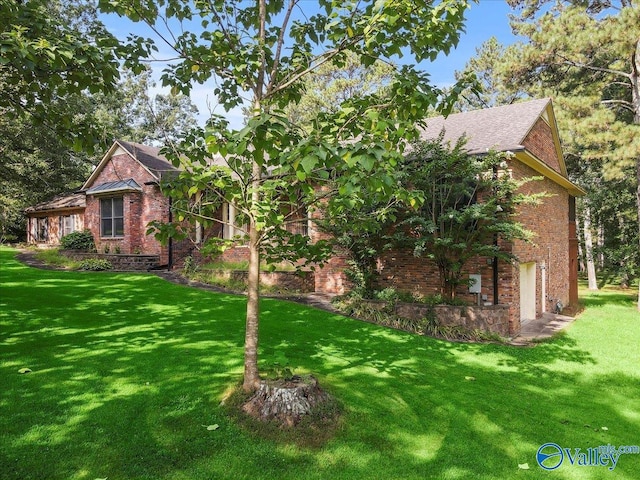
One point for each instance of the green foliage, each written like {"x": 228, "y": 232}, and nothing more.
{"x": 391, "y": 295}
{"x": 468, "y": 208}
{"x": 52, "y": 256}
{"x": 48, "y": 54}
{"x": 189, "y": 266}
{"x": 95, "y": 264}
{"x": 491, "y": 90}
{"x": 334, "y": 82}
{"x": 272, "y": 172}
{"x": 583, "y": 55}
{"x": 384, "y": 314}
{"x": 78, "y": 241}
{"x": 134, "y": 114}
{"x": 53, "y": 127}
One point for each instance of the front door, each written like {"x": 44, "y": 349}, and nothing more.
{"x": 527, "y": 291}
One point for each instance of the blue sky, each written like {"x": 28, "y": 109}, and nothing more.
{"x": 485, "y": 19}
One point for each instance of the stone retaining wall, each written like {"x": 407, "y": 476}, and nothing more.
{"x": 493, "y": 318}
{"x": 119, "y": 261}
{"x": 302, "y": 282}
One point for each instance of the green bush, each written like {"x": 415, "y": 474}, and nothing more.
{"x": 95, "y": 264}
{"x": 78, "y": 241}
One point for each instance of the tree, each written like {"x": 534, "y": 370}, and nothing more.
{"x": 491, "y": 89}
{"x": 38, "y": 163}
{"x": 362, "y": 230}
{"x": 576, "y": 53}
{"x": 333, "y": 83}
{"x": 467, "y": 210}
{"x": 50, "y": 54}
{"x": 264, "y": 51}
{"x": 357, "y": 229}
{"x": 132, "y": 113}
{"x": 47, "y": 55}
{"x": 589, "y": 50}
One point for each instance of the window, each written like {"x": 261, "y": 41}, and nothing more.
{"x": 299, "y": 227}
{"x": 67, "y": 225}
{"x": 112, "y": 217}
{"x": 230, "y": 229}
{"x": 41, "y": 229}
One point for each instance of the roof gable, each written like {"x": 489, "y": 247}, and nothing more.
{"x": 498, "y": 128}
{"x": 148, "y": 157}
{"x": 506, "y": 128}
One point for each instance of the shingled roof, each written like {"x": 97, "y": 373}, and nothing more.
{"x": 64, "y": 201}
{"x": 150, "y": 157}
{"x": 500, "y": 128}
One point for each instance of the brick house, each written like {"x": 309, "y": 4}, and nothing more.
{"x": 48, "y": 222}
{"x": 118, "y": 200}
{"x": 545, "y": 276}
{"x": 123, "y": 195}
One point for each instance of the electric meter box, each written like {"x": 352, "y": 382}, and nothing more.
{"x": 475, "y": 285}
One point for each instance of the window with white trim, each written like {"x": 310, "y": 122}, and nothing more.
{"x": 230, "y": 228}
{"x": 112, "y": 217}
{"x": 67, "y": 225}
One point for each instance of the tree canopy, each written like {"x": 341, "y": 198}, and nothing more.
{"x": 60, "y": 89}
{"x": 259, "y": 54}
{"x": 48, "y": 51}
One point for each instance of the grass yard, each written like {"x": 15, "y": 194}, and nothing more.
{"x": 128, "y": 370}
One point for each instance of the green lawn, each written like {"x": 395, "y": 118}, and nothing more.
{"x": 128, "y": 370}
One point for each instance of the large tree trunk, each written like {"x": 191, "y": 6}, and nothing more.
{"x": 600, "y": 241}
{"x": 251, "y": 374}
{"x": 635, "y": 88}
{"x": 581, "y": 263}
{"x": 588, "y": 249}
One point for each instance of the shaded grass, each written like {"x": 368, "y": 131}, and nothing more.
{"x": 128, "y": 370}
{"x": 51, "y": 256}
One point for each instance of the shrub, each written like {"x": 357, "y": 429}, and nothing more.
{"x": 391, "y": 295}
{"x": 95, "y": 264}
{"x": 54, "y": 257}
{"x": 78, "y": 241}
{"x": 190, "y": 266}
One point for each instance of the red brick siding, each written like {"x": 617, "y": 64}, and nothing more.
{"x": 549, "y": 222}
{"x": 139, "y": 209}
{"x": 403, "y": 271}
{"x": 539, "y": 141}
{"x": 330, "y": 278}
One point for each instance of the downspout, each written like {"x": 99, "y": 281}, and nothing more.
{"x": 170, "y": 259}
{"x": 494, "y": 264}
{"x": 543, "y": 292}
{"x": 495, "y": 276}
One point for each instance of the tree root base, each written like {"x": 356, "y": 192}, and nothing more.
{"x": 286, "y": 401}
